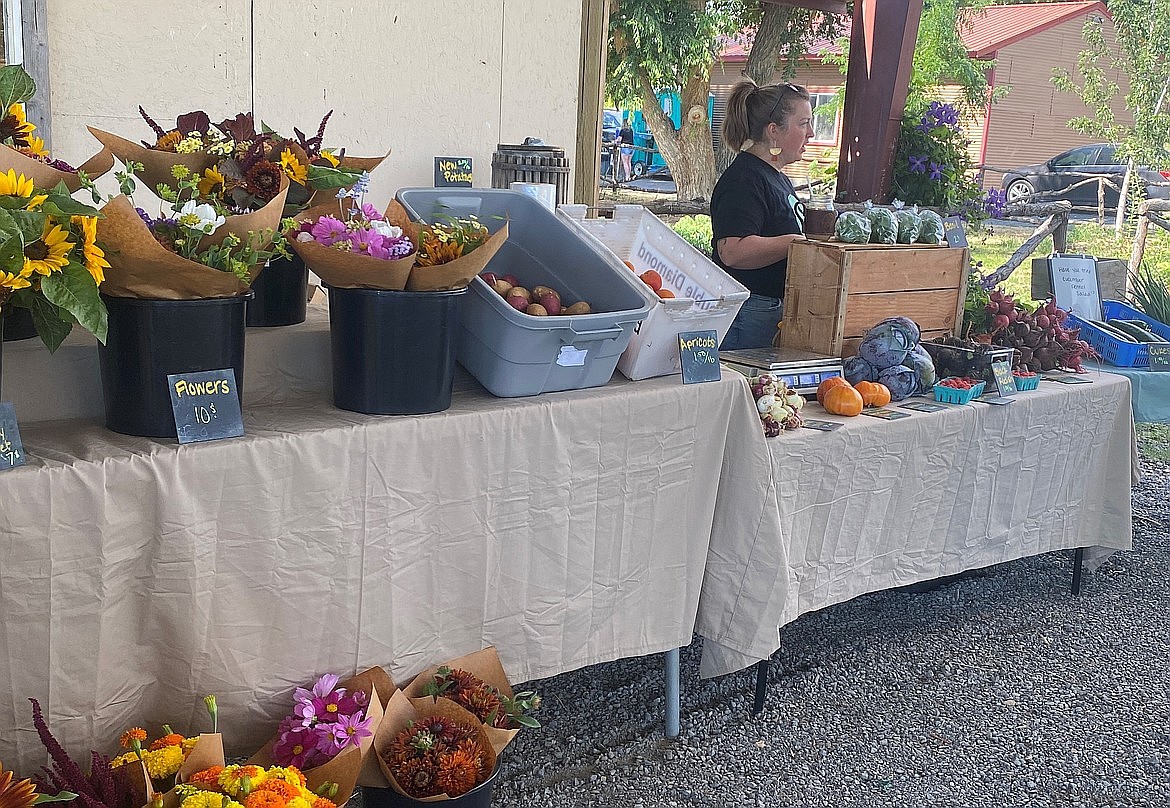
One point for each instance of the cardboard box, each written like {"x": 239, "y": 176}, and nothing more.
{"x": 836, "y": 291}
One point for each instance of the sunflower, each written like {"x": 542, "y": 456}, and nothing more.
{"x": 328, "y": 156}
{"x": 13, "y": 184}
{"x": 36, "y": 147}
{"x": 45, "y": 256}
{"x": 15, "y": 793}
{"x": 13, "y": 281}
{"x": 296, "y": 171}
{"x": 168, "y": 141}
{"x": 15, "y": 127}
{"x": 210, "y": 180}
{"x": 96, "y": 263}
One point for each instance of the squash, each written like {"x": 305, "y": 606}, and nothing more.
{"x": 827, "y": 385}
{"x": 873, "y": 394}
{"x": 843, "y": 400}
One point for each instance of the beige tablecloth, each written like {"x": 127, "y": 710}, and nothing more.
{"x": 878, "y": 504}
{"x": 138, "y": 575}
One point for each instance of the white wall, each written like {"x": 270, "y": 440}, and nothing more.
{"x": 421, "y": 78}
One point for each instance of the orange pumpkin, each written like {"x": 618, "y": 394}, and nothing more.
{"x": 827, "y": 385}
{"x": 843, "y": 400}
{"x": 873, "y": 394}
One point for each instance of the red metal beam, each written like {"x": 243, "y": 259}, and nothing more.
{"x": 881, "y": 48}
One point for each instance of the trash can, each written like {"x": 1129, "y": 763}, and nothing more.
{"x": 531, "y": 163}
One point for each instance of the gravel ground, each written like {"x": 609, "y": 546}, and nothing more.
{"x": 996, "y": 689}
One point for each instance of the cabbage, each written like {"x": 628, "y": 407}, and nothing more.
{"x": 852, "y": 227}
{"x": 920, "y": 362}
{"x": 885, "y": 345}
{"x": 904, "y": 325}
{"x": 858, "y": 370}
{"x": 883, "y": 227}
{"x": 901, "y": 381}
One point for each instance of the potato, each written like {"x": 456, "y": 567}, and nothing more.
{"x": 518, "y": 302}
{"x": 551, "y": 303}
{"x": 544, "y": 291}
{"x": 580, "y": 307}
{"x": 520, "y": 290}
{"x": 536, "y": 310}
{"x": 502, "y": 287}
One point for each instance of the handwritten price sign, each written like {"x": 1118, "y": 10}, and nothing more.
{"x": 206, "y": 405}
{"x": 11, "y": 449}
{"x": 699, "y": 356}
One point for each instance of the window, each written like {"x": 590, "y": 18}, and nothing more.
{"x": 1077, "y": 157}
{"x": 10, "y": 26}
{"x": 824, "y": 117}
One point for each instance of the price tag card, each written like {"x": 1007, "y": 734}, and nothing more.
{"x": 994, "y": 399}
{"x": 698, "y": 353}
{"x": 1074, "y": 284}
{"x": 1068, "y": 378}
{"x": 821, "y": 426}
{"x": 206, "y": 405}
{"x": 953, "y": 230}
{"x": 1005, "y": 382}
{"x": 11, "y": 449}
{"x": 885, "y": 414}
{"x": 1159, "y": 356}
{"x": 453, "y": 172}
{"x": 925, "y": 406}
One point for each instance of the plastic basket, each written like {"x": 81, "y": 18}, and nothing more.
{"x": 1114, "y": 351}
{"x": 953, "y": 395}
{"x": 515, "y": 354}
{"x": 706, "y": 297}
{"x": 1024, "y": 383}
{"x": 1116, "y": 310}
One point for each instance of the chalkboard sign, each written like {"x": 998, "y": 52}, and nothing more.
{"x": 206, "y": 405}
{"x": 1005, "y": 382}
{"x": 1074, "y": 284}
{"x": 1159, "y": 355}
{"x": 11, "y": 449}
{"x": 698, "y": 353}
{"x": 953, "y": 230}
{"x": 452, "y": 172}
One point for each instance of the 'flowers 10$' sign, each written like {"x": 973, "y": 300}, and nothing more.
{"x": 206, "y": 405}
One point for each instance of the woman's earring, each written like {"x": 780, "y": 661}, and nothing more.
{"x": 775, "y": 152}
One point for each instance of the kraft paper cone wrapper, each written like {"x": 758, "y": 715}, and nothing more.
{"x": 348, "y": 270}
{"x": 347, "y": 768}
{"x": 486, "y": 665}
{"x": 401, "y": 710}
{"x": 45, "y": 176}
{"x": 141, "y": 267}
{"x": 156, "y": 165}
{"x": 456, "y": 274}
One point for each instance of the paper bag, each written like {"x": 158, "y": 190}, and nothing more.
{"x": 455, "y": 274}
{"x": 45, "y": 176}
{"x": 348, "y": 270}
{"x": 156, "y": 164}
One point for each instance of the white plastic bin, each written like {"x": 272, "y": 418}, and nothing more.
{"x": 515, "y": 354}
{"x": 706, "y": 297}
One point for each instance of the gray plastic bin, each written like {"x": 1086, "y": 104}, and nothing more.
{"x": 516, "y": 354}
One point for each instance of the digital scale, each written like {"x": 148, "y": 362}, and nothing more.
{"x": 802, "y": 371}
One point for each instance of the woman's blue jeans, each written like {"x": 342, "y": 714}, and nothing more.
{"x": 755, "y": 325}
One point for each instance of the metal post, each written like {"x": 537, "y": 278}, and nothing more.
{"x": 1078, "y": 561}
{"x": 761, "y": 686}
{"x": 672, "y": 699}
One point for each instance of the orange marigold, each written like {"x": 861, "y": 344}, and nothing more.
{"x": 264, "y": 799}
{"x": 131, "y": 735}
{"x": 174, "y": 739}
{"x": 417, "y": 777}
{"x": 208, "y": 779}
{"x": 282, "y": 788}
{"x": 458, "y": 772}
{"x": 324, "y": 802}
{"x": 168, "y": 141}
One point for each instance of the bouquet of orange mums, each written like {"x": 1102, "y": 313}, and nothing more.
{"x": 169, "y": 759}
{"x": 244, "y": 786}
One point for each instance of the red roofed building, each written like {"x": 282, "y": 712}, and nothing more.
{"x": 1027, "y": 42}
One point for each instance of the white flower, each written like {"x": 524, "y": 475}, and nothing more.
{"x": 304, "y": 237}
{"x": 386, "y": 229}
{"x": 199, "y": 218}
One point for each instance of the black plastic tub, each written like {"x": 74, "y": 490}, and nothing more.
{"x": 281, "y": 293}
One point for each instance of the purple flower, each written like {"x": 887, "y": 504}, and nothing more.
{"x": 144, "y": 216}
{"x": 924, "y": 125}
{"x": 370, "y": 213}
{"x": 917, "y": 163}
{"x": 351, "y": 729}
{"x": 397, "y": 248}
{"x": 366, "y": 242}
{"x": 328, "y": 231}
{"x": 936, "y": 170}
{"x": 994, "y": 203}
{"x": 296, "y": 747}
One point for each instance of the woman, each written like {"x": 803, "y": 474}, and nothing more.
{"x": 755, "y": 215}
{"x": 626, "y": 138}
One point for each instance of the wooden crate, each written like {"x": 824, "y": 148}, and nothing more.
{"x": 836, "y": 291}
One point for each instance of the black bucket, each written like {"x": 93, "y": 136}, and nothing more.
{"x": 18, "y": 324}
{"x": 150, "y": 339}
{"x": 281, "y": 293}
{"x": 393, "y": 352}
{"x": 478, "y": 797}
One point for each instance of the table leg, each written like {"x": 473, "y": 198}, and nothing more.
{"x": 1078, "y": 562}
{"x": 672, "y": 700}
{"x": 761, "y": 686}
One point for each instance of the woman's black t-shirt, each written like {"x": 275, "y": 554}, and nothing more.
{"x": 754, "y": 199}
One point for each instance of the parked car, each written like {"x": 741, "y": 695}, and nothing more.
{"x": 1056, "y": 176}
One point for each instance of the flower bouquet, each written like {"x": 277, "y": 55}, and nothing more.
{"x": 351, "y": 245}
{"x": 329, "y": 734}
{"x": 50, "y": 261}
{"x": 247, "y": 786}
{"x": 101, "y": 787}
{"x": 432, "y": 750}
{"x": 477, "y": 683}
{"x": 24, "y": 152}
{"x": 451, "y": 252}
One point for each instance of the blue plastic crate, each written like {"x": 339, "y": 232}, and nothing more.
{"x": 1116, "y": 310}
{"x": 954, "y": 395}
{"x": 1114, "y": 351}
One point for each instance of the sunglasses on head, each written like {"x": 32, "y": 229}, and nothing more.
{"x": 780, "y": 97}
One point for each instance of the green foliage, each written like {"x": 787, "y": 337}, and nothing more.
{"x": 940, "y": 57}
{"x": 16, "y": 86}
{"x": 697, "y": 231}
{"x": 932, "y": 166}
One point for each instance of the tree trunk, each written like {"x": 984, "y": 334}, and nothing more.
{"x": 686, "y": 151}
{"x": 1123, "y": 198}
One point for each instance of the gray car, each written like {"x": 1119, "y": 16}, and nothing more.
{"x": 1053, "y": 179}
